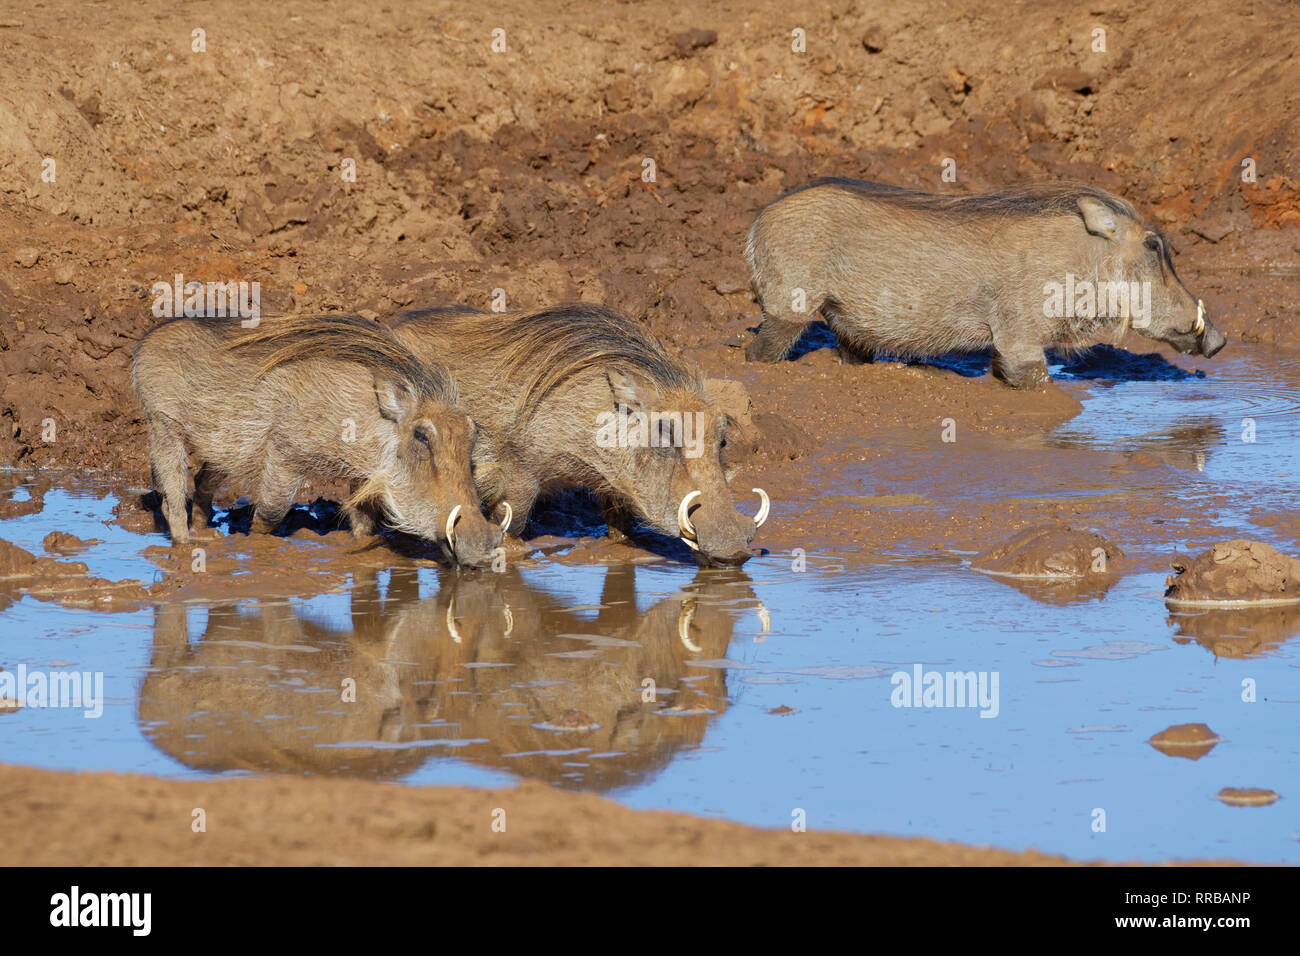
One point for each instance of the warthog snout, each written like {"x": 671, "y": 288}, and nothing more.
{"x": 472, "y": 540}
{"x": 1201, "y": 339}
{"x": 719, "y": 535}
{"x": 1210, "y": 338}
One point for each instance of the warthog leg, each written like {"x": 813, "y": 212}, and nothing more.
{"x": 775, "y": 338}
{"x": 275, "y": 493}
{"x": 1017, "y": 360}
{"x": 361, "y": 517}
{"x": 205, "y": 486}
{"x": 169, "y": 459}
{"x": 853, "y": 355}
{"x": 360, "y": 521}
{"x": 618, "y": 520}
{"x": 267, "y": 519}
{"x": 1023, "y": 375}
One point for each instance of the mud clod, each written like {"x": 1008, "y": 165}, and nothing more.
{"x": 1051, "y": 551}
{"x": 1247, "y": 796}
{"x": 1235, "y": 573}
{"x": 1192, "y": 741}
{"x": 60, "y": 542}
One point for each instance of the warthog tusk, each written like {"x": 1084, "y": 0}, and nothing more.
{"x": 763, "y": 509}
{"x": 451, "y": 526}
{"x": 1200, "y": 319}
{"x": 451, "y": 620}
{"x": 684, "y": 521}
{"x": 684, "y": 629}
{"x": 510, "y": 621}
{"x": 510, "y": 516}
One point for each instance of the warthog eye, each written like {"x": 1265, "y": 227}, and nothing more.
{"x": 425, "y": 435}
{"x": 1152, "y": 242}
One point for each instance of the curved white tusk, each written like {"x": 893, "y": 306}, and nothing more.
{"x": 763, "y": 509}
{"x": 684, "y": 629}
{"x": 510, "y": 516}
{"x": 451, "y": 526}
{"x": 1200, "y": 318}
{"x": 684, "y": 521}
{"x": 451, "y": 620}
{"x": 510, "y": 621}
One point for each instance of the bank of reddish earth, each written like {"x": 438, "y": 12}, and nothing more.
{"x": 523, "y": 171}
{"x": 66, "y": 819}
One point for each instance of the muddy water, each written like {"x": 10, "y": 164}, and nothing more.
{"x": 747, "y": 695}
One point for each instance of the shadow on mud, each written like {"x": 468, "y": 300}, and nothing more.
{"x": 1105, "y": 363}
{"x": 321, "y": 517}
{"x": 490, "y": 670}
{"x": 1100, "y": 363}
{"x": 569, "y": 514}
{"x": 579, "y": 514}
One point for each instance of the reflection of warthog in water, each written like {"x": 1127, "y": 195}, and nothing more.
{"x": 911, "y": 274}
{"x": 327, "y": 397}
{"x": 604, "y": 663}
{"x": 264, "y": 690}
{"x": 541, "y": 383}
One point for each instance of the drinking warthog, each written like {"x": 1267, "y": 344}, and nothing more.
{"x": 578, "y": 396}
{"x": 327, "y": 397}
{"x": 912, "y": 274}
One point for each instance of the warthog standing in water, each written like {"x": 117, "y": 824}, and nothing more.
{"x": 911, "y": 274}
{"x": 319, "y": 397}
{"x": 578, "y": 396}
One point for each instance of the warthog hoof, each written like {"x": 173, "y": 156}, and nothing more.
{"x": 1033, "y": 375}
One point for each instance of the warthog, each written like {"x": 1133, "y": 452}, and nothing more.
{"x": 326, "y": 397}
{"x": 912, "y": 274}
{"x": 578, "y": 396}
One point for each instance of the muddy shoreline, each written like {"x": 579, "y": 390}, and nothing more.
{"x": 286, "y": 821}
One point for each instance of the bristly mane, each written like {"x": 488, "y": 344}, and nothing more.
{"x": 1029, "y": 199}
{"x": 339, "y": 338}
{"x": 538, "y": 351}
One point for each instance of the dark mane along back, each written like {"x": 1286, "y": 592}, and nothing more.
{"x": 1027, "y": 200}
{"x": 339, "y": 338}
{"x": 538, "y": 351}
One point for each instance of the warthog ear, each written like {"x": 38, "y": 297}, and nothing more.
{"x": 395, "y": 402}
{"x": 1097, "y": 217}
{"x": 623, "y": 388}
